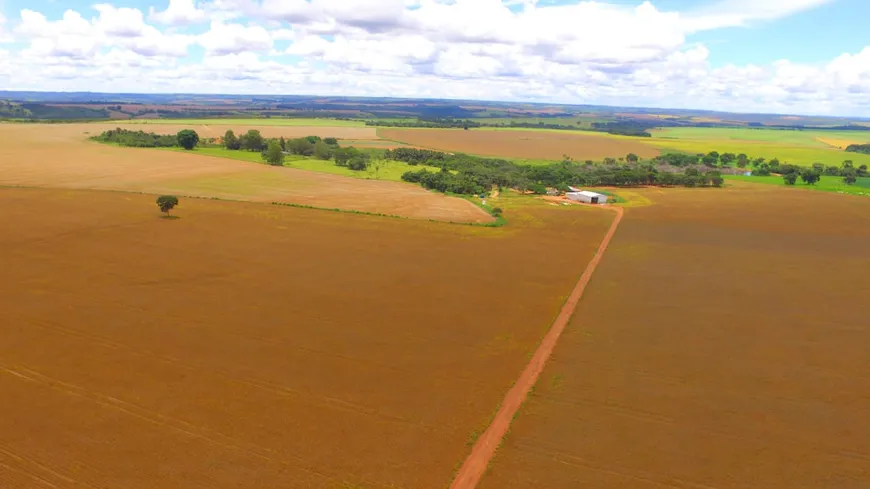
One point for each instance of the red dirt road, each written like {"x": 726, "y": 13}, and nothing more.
{"x": 484, "y": 449}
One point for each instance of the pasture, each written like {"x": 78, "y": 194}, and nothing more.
{"x": 521, "y": 143}
{"x": 60, "y": 156}
{"x": 246, "y": 345}
{"x": 797, "y": 147}
{"x": 721, "y": 343}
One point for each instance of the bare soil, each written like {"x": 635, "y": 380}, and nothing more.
{"x": 59, "y": 155}
{"x": 722, "y": 344}
{"x": 484, "y": 449}
{"x": 550, "y": 145}
{"x": 245, "y": 345}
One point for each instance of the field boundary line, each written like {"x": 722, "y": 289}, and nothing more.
{"x": 483, "y": 451}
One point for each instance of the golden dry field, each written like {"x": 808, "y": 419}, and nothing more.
{"x": 529, "y": 144}
{"x": 721, "y": 344}
{"x": 60, "y": 156}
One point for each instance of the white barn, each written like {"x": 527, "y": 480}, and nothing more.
{"x": 587, "y": 197}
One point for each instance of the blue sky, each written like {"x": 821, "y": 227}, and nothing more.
{"x": 788, "y": 56}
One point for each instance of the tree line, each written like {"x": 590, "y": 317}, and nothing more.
{"x": 470, "y": 175}
{"x": 859, "y": 148}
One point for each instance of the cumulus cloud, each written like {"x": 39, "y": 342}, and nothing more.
{"x": 235, "y": 38}
{"x": 178, "y": 13}
{"x": 581, "y": 52}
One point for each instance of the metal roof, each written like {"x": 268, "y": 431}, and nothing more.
{"x": 588, "y": 193}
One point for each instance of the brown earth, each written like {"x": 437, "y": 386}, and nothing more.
{"x": 721, "y": 344}
{"x": 247, "y": 345}
{"x": 59, "y": 155}
{"x": 484, "y": 449}
{"x": 550, "y": 145}
{"x": 218, "y": 130}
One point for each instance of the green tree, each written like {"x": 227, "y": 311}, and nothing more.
{"x": 727, "y": 158}
{"x": 283, "y": 143}
{"x": 231, "y": 141}
{"x": 187, "y": 138}
{"x": 252, "y": 141}
{"x": 331, "y": 141}
{"x": 358, "y": 163}
{"x": 631, "y": 158}
{"x": 322, "y": 151}
{"x": 850, "y": 179}
{"x": 810, "y": 177}
{"x": 166, "y": 203}
{"x": 300, "y": 146}
{"x": 274, "y": 155}
{"x": 790, "y": 178}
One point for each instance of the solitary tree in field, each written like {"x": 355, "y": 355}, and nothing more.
{"x": 166, "y": 203}
{"x": 631, "y": 158}
{"x": 850, "y": 179}
{"x": 188, "y": 138}
{"x": 274, "y": 155}
{"x": 790, "y": 178}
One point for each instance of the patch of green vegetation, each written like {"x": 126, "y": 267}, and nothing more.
{"x": 270, "y": 121}
{"x": 390, "y": 170}
{"x": 790, "y": 146}
{"x": 826, "y": 184}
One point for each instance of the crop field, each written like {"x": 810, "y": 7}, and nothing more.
{"x": 523, "y": 144}
{"x": 217, "y": 128}
{"x": 60, "y": 156}
{"x": 247, "y": 345}
{"x": 797, "y": 147}
{"x": 721, "y": 343}
{"x": 281, "y": 122}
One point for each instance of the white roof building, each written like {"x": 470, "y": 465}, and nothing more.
{"x": 587, "y": 197}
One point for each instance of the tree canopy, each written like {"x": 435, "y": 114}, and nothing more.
{"x": 166, "y": 203}
{"x": 187, "y": 138}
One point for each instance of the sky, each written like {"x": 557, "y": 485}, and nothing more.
{"x": 780, "y": 56}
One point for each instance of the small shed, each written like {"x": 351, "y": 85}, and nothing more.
{"x": 587, "y": 197}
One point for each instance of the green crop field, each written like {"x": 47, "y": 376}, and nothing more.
{"x": 272, "y": 121}
{"x": 826, "y": 184}
{"x": 797, "y": 147}
{"x": 390, "y": 170}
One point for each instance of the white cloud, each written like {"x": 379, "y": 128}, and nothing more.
{"x": 732, "y": 13}
{"x": 585, "y": 52}
{"x": 179, "y": 12}
{"x": 235, "y": 38}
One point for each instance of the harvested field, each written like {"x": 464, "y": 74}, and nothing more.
{"x": 531, "y": 144}
{"x": 246, "y": 345}
{"x": 273, "y": 129}
{"x": 719, "y": 345}
{"x": 59, "y": 155}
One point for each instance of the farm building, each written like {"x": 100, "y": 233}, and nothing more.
{"x": 587, "y": 197}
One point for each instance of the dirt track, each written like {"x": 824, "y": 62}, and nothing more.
{"x": 60, "y": 156}
{"x": 246, "y": 345}
{"x": 722, "y": 344}
{"x": 484, "y": 449}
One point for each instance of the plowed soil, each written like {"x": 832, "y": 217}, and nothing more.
{"x": 246, "y": 345}
{"x": 721, "y": 344}
{"x": 59, "y": 155}
{"x": 550, "y": 145}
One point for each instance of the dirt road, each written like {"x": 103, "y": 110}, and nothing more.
{"x": 484, "y": 449}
